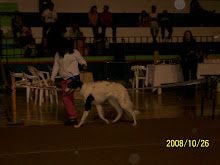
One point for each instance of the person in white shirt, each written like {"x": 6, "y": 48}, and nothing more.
{"x": 66, "y": 61}
{"x": 154, "y": 25}
{"x": 48, "y": 17}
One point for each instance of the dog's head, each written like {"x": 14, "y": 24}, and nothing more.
{"x": 75, "y": 84}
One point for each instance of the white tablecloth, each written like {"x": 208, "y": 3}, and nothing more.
{"x": 163, "y": 74}
{"x": 207, "y": 69}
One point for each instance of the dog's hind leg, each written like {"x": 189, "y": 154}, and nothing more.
{"x": 133, "y": 116}
{"x": 115, "y": 104}
{"x": 130, "y": 112}
{"x": 101, "y": 113}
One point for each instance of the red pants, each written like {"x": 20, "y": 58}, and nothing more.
{"x": 68, "y": 100}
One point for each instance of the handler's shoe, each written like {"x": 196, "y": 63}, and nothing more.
{"x": 70, "y": 122}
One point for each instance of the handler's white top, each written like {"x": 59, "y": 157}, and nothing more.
{"x": 68, "y": 65}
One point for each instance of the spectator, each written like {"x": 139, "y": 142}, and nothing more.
{"x": 17, "y": 25}
{"x": 44, "y": 5}
{"x": 100, "y": 45}
{"x": 93, "y": 20}
{"x": 165, "y": 23}
{"x": 30, "y": 49}
{"x": 44, "y": 50}
{"x": 143, "y": 19}
{"x": 106, "y": 20}
{"x": 154, "y": 26}
{"x": 198, "y": 15}
{"x": 190, "y": 53}
{"x": 49, "y": 18}
{"x": 78, "y": 39}
{"x": 28, "y": 35}
{"x": 25, "y": 37}
{"x": 75, "y": 32}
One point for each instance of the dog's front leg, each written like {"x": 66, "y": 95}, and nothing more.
{"x": 88, "y": 106}
{"x": 85, "y": 115}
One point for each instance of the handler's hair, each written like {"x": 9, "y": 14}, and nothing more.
{"x": 65, "y": 46}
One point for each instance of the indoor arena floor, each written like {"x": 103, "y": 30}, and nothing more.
{"x": 44, "y": 140}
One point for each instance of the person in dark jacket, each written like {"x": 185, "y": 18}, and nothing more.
{"x": 190, "y": 54}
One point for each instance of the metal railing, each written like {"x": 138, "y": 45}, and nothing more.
{"x": 11, "y": 49}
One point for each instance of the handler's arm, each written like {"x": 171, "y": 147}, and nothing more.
{"x": 79, "y": 58}
{"x": 55, "y": 67}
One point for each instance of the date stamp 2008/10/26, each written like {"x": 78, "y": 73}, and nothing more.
{"x": 202, "y": 143}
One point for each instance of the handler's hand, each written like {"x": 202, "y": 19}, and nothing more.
{"x": 50, "y": 82}
{"x": 84, "y": 67}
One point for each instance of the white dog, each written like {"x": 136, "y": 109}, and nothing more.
{"x": 98, "y": 93}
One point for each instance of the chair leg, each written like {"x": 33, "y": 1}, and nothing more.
{"x": 143, "y": 85}
{"x": 56, "y": 95}
{"x": 28, "y": 94}
{"x": 31, "y": 94}
{"x": 137, "y": 84}
{"x": 51, "y": 96}
{"x": 46, "y": 93}
{"x": 159, "y": 91}
{"x": 36, "y": 95}
{"x": 133, "y": 82}
{"x": 41, "y": 97}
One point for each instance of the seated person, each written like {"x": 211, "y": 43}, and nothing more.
{"x": 17, "y": 25}
{"x": 78, "y": 39}
{"x": 100, "y": 45}
{"x": 75, "y": 32}
{"x": 143, "y": 19}
{"x": 165, "y": 23}
{"x": 30, "y": 49}
{"x": 26, "y": 37}
{"x": 44, "y": 50}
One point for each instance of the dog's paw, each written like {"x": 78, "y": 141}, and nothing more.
{"x": 134, "y": 124}
{"x": 107, "y": 122}
{"x": 114, "y": 121}
{"x": 76, "y": 126}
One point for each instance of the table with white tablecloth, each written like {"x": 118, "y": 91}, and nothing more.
{"x": 207, "y": 69}
{"x": 156, "y": 75}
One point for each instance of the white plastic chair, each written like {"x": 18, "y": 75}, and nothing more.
{"x": 24, "y": 79}
{"x": 137, "y": 69}
{"x": 45, "y": 84}
{"x": 21, "y": 78}
{"x": 34, "y": 71}
{"x": 34, "y": 81}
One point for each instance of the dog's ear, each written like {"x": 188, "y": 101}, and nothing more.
{"x": 74, "y": 84}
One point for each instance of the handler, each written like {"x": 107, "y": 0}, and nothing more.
{"x": 66, "y": 62}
